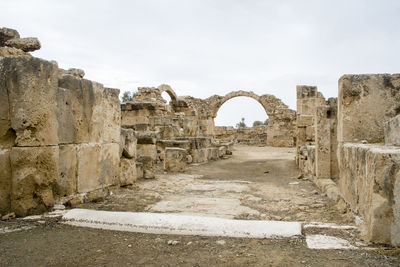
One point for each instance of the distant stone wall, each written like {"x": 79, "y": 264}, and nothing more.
{"x": 249, "y": 136}
{"x": 59, "y": 135}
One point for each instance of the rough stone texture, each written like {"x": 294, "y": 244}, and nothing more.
{"x": 5, "y": 180}
{"x": 199, "y": 155}
{"x": 76, "y": 72}
{"x": 7, "y": 134}
{"x": 368, "y": 183}
{"x": 34, "y": 173}
{"x": 323, "y": 143}
{"x": 128, "y": 143}
{"x": 32, "y": 85}
{"x": 28, "y": 44}
{"x": 392, "y": 131}
{"x": 67, "y": 171}
{"x": 175, "y": 159}
{"x": 65, "y": 116}
{"x": 366, "y": 103}
{"x": 148, "y": 166}
{"x": 128, "y": 172}
{"x": 147, "y": 150}
{"x": 139, "y": 170}
{"x": 329, "y": 187}
{"x": 212, "y": 153}
{"x": 12, "y": 51}
{"x": 111, "y": 115}
{"x": 109, "y": 164}
{"x": 88, "y": 157}
{"x": 7, "y": 34}
{"x": 86, "y": 104}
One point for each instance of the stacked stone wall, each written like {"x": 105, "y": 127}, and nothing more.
{"x": 59, "y": 135}
{"x": 350, "y": 148}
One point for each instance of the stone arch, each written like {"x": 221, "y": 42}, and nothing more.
{"x": 166, "y": 88}
{"x": 268, "y": 102}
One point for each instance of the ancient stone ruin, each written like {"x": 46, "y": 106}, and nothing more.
{"x": 65, "y": 139}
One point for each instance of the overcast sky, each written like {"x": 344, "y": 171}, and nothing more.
{"x": 208, "y": 47}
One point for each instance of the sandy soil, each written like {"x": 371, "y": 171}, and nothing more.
{"x": 255, "y": 183}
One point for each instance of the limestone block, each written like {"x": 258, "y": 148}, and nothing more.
{"x": 323, "y": 143}
{"x": 65, "y": 116}
{"x": 168, "y": 132}
{"x": 395, "y": 231}
{"x": 128, "y": 172}
{"x": 139, "y": 170}
{"x": 88, "y": 157}
{"x": 392, "y": 131}
{"x": 147, "y": 150}
{"x": 162, "y": 144}
{"x": 12, "y": 51}
{"x": 32, "y": 85}
{"x": 310, "y": 133}
{"x": 304, "y": 120}
{"x": 148, "y": 166}
{"x": 7, "y": 34}
{"x": 365, "y": 104}
{"x": 5, "y": 180}
{"x": 141, "y": 127}
{"x": 175, "y": 159}
{"x": 144, "y": 138}
{"x": 86, "y": 105}
{"x": 67, "y": 170}
{"x": 109, "y": 164}
{"x": 330, "y": 188}
{"x": 212, "y": 153}
{"x": 111, "y": 115}
{"x": 34, "y": 173}
{"x": 221, "y": 151}
{"x": 199, "y": 155}
{"x": 128, "y": 143}
{"x": 130, "y": 118}
{"x": 367, "y": 183}
{"x": 27, "y": 44}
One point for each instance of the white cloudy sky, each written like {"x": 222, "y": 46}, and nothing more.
{"x": 206, "y": 47}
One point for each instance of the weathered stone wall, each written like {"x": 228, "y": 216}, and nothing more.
{"x": 333, "y": 149}
{"x": 160, "y": 127}
{"x": 59, "y": 135}
{"x": 256, "y": 135}
{"x": 369, "y": 183}
{"x": 369, "y": 173}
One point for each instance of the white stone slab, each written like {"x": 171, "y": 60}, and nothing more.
{"x": 327, "y": 242}
{"x": 161, "y": 223}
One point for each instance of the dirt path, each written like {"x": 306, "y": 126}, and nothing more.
{"x": 255, "y": 183}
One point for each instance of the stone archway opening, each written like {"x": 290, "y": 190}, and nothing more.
{"x": 241, "y": 119}
{"x": 233, "y": 110}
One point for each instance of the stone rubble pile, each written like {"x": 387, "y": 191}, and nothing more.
{"x": 12, "y": 45}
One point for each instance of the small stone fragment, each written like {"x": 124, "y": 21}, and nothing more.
{"x": 173, "y": 242}
{"x": 221, "y": 242}
{"x": 8, "y": 216}
{"x": 28, "y": 44}
{"x": 76, "y": 72}
{"x": 7, "y": 34}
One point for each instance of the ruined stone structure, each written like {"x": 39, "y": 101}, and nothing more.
{"x": 350, "y": 148}
{"x": 66, "y": 139}
{"x": 256, "y": 135}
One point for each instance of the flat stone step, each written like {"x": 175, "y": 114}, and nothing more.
{"x": 179, "y": 224}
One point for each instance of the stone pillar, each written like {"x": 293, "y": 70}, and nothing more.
{"x": 322, "y": 143}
